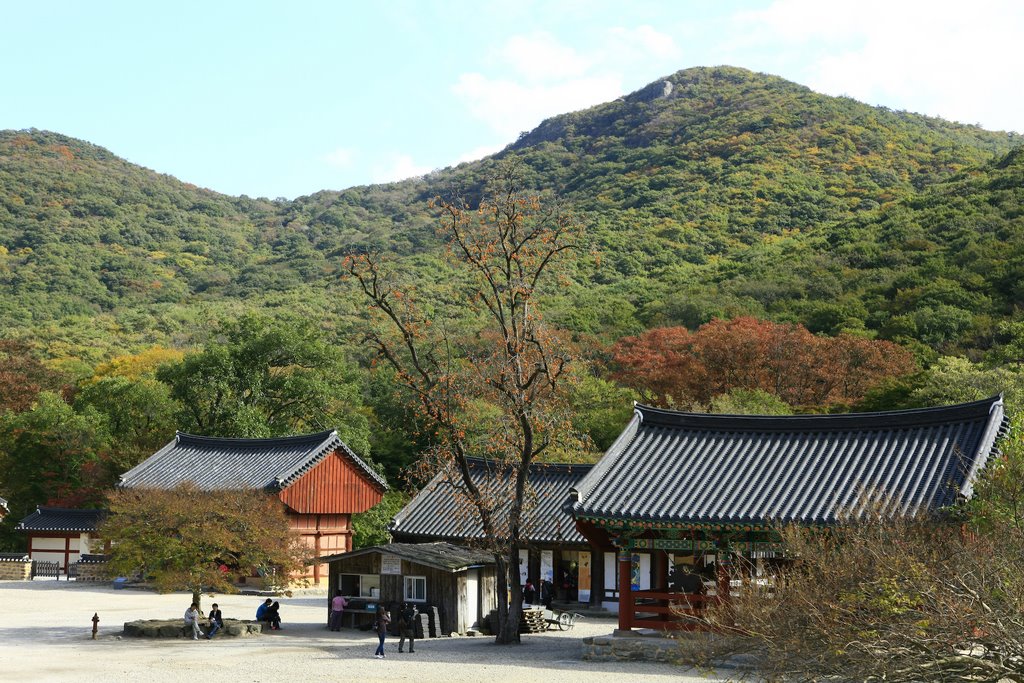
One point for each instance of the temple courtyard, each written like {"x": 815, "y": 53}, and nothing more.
{"x": 46, "y": 635}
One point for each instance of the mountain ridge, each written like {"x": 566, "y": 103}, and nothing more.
{"x": 685, "y": 188}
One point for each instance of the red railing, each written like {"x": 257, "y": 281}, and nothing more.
{"x": 653, "y": 609}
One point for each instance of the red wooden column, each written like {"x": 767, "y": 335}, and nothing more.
{"x": 625, "y": 589}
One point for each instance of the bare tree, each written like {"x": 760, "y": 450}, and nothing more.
{"x": 488, "y": 375}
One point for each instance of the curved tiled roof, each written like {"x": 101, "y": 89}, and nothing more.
{"x": 438, "y": 512}
{"x": 697, "y": 469}
{"x": 61, "y": 519}
{"x": 213, "y": 463}
{"x": 440, "y": 555}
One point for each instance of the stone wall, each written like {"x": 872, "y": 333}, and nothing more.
{"x": 632, "y": 648}
{"x": 91, "y": 572}
{"x": 15, "y": 570}
{"x": 175, "y": 628}
{"x": 684, "y": 648}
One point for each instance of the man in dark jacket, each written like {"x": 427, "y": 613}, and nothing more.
{"x": 216, "y": 621}
{"x": 407, "y": 626}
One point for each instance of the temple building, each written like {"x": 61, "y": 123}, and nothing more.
{"x": 61, "y": 535}
{"x": 691, "y": 495}
{"x": 321, "y": 482}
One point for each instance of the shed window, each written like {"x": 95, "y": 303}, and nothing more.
{"x": 359, "y": 585}
{"x": 416, "y": 588}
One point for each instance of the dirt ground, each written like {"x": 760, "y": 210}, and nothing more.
{"x": 45, "y": 635}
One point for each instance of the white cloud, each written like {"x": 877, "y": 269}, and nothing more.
{"x": 940, "y": 58}
{"x": 639, "y": 44}
{"x": 539, "y": 57}
{"x": 339, "y": 158}
{"x": 510, "y": 107}
{"x": 397, "y": 167}
{"x": 543, "y": 77}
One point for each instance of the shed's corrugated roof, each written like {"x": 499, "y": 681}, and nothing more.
{"x": 438, "y": 512}
{"x": 692, "y": 468}
{"x": 439, "y": 555}
{"x": 61, "y": 519}
{"x": 213, "y": 463}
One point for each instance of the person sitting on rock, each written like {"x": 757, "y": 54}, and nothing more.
{"x": 261, "y": 611}
{"x": 192, "y": 621}
{"x": 273, "y": 616}
{"x": 216, "y": 621}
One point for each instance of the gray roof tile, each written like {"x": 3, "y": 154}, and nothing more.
{"x": 213, "y": 463}
{"x": 437, "y": 512}
{"x": 691, "y": 468}
{"x": 61, "y": 519}
{"x": 440, "y": 555}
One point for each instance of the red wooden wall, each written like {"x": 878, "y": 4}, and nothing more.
{"x": 321, "y": 504}
{"x": 334, "y": 486}
{"x": 323, "y": 535}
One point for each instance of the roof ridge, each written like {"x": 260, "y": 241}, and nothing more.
{"x": 293, "y": 439}
{"x": 818, "y": 422}
{"x": 476, "y": 461}
{"x": 331, "y": 442}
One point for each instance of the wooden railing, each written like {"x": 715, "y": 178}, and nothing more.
{"x": 658, "y": 610}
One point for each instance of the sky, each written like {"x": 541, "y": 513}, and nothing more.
{"x": 283, "y": 99}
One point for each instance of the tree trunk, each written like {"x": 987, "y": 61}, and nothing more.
{"x": 197, "y": 597}
{"x": 508, "y": 615}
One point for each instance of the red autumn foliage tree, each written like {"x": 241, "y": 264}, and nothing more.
{"x": 675, "y": 367}
{"x": 22, "y": 377}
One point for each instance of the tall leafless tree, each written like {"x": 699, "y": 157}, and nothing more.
{"x": 495, "y": 388}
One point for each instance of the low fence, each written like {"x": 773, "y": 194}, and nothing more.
{"x": 664, "y": 610}
{"x": 20, "y": 567}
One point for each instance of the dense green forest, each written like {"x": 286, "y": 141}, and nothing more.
{"x": 711, "y": 194}
{"x": 693, "y": 190}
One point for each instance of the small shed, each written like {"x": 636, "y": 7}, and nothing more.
{"x": 556, "y": 551}
{"x": 459, "y": 582}
{"x": 319, "y": 479}
{"x": 60, "y": 535}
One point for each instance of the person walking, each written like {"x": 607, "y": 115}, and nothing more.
{"x": 529, "y": 593}
{"x": 407, "y": 626}
{"x": 192, "y": 620}
{"x": 216, "y": 621}
{"x": 380, "y": 624}
{"x": 338, "y": 605}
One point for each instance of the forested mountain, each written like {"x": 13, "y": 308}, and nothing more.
{"x": 713, "y": 192}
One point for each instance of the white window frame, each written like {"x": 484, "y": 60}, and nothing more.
{"x": 410, "y": 582}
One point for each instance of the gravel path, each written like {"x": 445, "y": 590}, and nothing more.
{"x": 45, "y": 629}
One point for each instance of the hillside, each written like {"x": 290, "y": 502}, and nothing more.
{"x": 98, "y": 252}
{"x": 715, "y": 191}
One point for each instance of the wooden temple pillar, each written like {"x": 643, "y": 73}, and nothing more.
{"x": 625, "y": 558}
